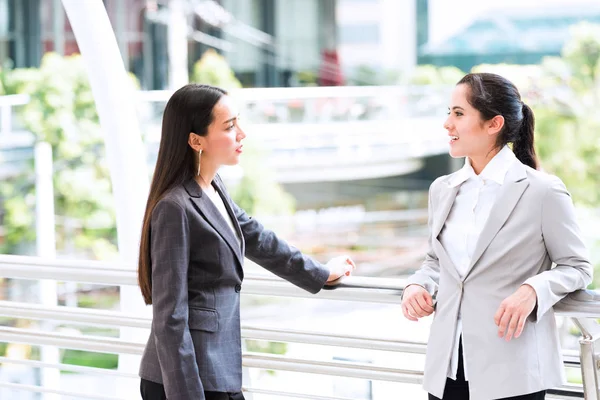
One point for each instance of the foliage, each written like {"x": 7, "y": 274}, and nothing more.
{"x": 212, "y": 69}
{"x": 431, "y": 75}
{"x": 257, "y": 192}
{"x": 62, "y": 112}
{"x": 261, "y": 346}
{"x": 90, "y": 359}
{"x": 567, "y": 115}
{"x": 307, "y": 78}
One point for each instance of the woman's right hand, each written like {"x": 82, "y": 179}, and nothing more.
{"x": 416, "y": 302}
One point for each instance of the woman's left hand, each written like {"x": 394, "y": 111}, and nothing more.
{"x": 340, "y": 266}
{"x": 513, "y": 312}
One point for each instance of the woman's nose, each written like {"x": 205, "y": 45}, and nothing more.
{"x": 447, "y": 124}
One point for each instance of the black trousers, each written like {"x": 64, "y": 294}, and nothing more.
{"x": 156, "y": 391}
{"x": 459, "y": 389}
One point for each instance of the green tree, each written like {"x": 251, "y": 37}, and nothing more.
{"x": 568, "y": 120}
{"x": 213, "y": 69}
{"x": 432, "y": 75}
{"x": 257, "y": 192}
{"x": 62, "y": 112}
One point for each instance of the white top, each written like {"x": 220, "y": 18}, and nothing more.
{"x": 218, "y": 202}
{"x": 470, "y": 211}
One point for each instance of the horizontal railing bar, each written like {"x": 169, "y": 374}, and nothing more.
{"x": 116, "y": 319}
{"x": 252, "y": 360}
{"x": 318, "y": 338}
{"x": 81, "y": 316}
{"x": 285, "y": 94}
{"x": 85, "y": 343}
{"x": 566, "y": 392}
{"x": 571, "y": 358}
{"x": 14, "y": 100}
{"x": 6, "y": 259}
{"x": 70, "y": 368}
{"x": 335, "y": 368}
{"x": 95, "y": 273}
{"x": 292, "y": 395}
{"x": 284, "y": 289}
{"x": 581, "y": 304}
{"x": 42, "y": 389}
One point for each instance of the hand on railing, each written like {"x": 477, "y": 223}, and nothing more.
{"x": 339, "y": 267}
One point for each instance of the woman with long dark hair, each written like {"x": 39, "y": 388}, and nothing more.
{"x": 193, "y": 244}
{"x": 496, "y": 228}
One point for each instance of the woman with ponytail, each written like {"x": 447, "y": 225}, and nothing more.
{"x": 496, "y": 228}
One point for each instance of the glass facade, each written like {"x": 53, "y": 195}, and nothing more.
{"x": 266, "y": 42}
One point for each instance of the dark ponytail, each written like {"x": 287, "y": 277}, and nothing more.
{"x": 493, "y": 95}
{"x": 523, "y": 144}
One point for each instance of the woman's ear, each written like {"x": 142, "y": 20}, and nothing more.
{"x": 495, "y": 125}
{"x": 195, "y": 141}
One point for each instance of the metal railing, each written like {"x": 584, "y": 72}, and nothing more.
{"x": 582, "y": 306}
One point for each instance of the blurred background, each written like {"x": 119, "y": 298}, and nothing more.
{"x": 343, "y": 102}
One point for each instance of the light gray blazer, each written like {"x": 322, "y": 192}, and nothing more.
{"x": 197, "y": 272}
{"x": 531, "y": 226}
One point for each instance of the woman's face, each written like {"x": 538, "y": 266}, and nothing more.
{"x": 223, "y": 143}
{"x": 470, "y": 136}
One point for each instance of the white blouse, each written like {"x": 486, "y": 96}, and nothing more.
{"x": 218, "y": 202}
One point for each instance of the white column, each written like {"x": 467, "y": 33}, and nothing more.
{"x": 46, "y": 247}
{"x": 115, "y": 101}
{"x": 58, "y": 35}
{"x": 177, "y": 45}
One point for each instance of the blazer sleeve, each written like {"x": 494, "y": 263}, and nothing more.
{"x": 428, "y": 275}
{"x": 170, "y": 249}
{"x": 276, "y": 255}
{"x": 565, "y": 247}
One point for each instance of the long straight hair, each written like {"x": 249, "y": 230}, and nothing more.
{"x": 189, "y": 110}
{"x": 493, "y": 95}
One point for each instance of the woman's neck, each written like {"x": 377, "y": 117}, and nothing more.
{"x": 480, "y": 162}
{"x": 207, "y": 174}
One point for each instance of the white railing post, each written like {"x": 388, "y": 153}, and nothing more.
{"x": 46, "y": 248}
{"x": 590, "y": 361}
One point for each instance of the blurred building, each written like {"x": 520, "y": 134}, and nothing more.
{"x": 267, "y": 42}
{"x": 377, "y": 37}
{"x": 511, "y": 34}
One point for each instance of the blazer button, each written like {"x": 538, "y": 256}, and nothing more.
{"x": 238, "y": 288}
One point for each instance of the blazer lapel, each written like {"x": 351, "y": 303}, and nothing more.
{"x": 212, "y": 215}
{"x": 444, "y": 205}
{"x": 445, "y": 259}
{"x": 236, "y": 224}
{"x": 515, "y": 184}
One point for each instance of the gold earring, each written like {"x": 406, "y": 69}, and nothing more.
{"x": 199, "y": 154}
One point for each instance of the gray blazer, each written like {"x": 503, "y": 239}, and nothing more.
{"x": 197, "y": 272}
{"x": 531, "y": 226}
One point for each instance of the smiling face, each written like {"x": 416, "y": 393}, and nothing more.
{"x": 470, "y": 136}
{"x": 222, "y": 145}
